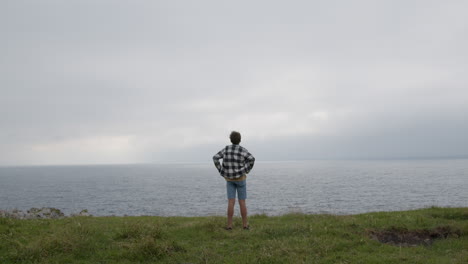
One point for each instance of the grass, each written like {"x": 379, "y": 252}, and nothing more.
{"x": 293, "y": 238}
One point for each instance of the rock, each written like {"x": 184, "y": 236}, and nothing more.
{"x": 82, "y": 213}
{"x": 46, "y": 213}
{"x": 36, "y": 213}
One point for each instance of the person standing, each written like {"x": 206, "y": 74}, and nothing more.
{"x": 237, "y": 163}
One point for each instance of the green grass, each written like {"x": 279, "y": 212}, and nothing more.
{"x": 293, "y": 238}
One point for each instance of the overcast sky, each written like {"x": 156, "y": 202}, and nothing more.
{"x": 95, "y": 81}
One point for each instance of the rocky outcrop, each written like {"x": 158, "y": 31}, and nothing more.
{"x": 82, "y": 213}
{"x": 39, "y": 213}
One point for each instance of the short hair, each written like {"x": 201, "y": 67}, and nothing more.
{"x": 235, "y": 137}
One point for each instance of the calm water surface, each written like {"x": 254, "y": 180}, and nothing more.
{"x": 338, "y": 187}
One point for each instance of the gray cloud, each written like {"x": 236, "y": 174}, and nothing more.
{"x": 114, "y": 81}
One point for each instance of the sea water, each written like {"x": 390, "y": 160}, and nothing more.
{"x": 337, "y": 187}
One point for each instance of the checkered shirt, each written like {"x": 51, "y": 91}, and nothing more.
{"x": 237, "y": 162}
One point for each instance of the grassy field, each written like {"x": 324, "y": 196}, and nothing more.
{"x": 293, "y": 238}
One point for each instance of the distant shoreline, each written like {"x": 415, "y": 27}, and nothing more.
{"x": 257, "y": 161}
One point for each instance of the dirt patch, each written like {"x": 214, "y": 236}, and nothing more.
{"x": 404, "y": 237}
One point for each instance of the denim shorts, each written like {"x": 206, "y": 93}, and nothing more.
{"x": 240, "y": 186}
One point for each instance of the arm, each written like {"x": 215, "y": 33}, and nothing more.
{"x": 217, "y": 157}
{"x": 249, "y": 161}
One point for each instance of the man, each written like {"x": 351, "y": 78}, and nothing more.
{"x": 237, "y": 163}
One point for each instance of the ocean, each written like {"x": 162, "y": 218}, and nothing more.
{"x": 274, "y": 188}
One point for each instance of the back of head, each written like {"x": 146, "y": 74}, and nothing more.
{"x": 235, "y": 137}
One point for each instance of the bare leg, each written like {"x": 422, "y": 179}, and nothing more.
{"x": 230, "y": 212}
{"x": 243, "y": 210}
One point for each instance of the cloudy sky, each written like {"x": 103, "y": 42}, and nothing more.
{"x": 118, "y": 81}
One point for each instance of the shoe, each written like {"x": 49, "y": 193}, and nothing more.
{"x": 228, "y": 228}
{"x": 246, "y": 227}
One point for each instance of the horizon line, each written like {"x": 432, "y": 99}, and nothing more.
{"x": 260, "y": 161}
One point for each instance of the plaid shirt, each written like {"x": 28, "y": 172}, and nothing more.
{"x": 237, "y": 161}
